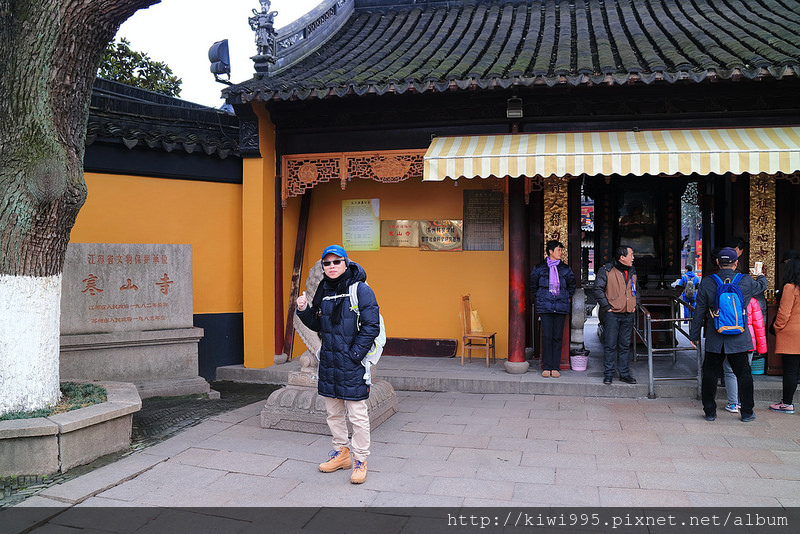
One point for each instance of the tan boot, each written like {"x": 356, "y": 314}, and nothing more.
{"x": 339, "y": 460}
{"x": 359, "y": 472}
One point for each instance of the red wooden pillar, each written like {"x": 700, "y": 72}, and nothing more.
{"x": 516, "y": 270}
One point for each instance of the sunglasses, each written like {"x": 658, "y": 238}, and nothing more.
{"x": 334, "y": 262}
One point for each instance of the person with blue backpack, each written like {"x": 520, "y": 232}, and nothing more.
{"x": 689, "y": 282}
{"x": 348, "y": 337}
{"x": 723, "y": 298}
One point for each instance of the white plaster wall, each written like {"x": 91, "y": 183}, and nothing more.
{"x": 30, "y": 316}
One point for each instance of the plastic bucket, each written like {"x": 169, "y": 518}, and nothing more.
{"x": 578, "y": 362}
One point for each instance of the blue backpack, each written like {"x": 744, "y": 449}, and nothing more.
{"x": 730, "y": 317}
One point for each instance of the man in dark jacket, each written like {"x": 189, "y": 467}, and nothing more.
{"x": 616, "y": 293}
{"x": 344, "y": 346}
{"x": 717, "y": 345}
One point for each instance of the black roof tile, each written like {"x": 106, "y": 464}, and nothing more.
{"x": 421, "y": 45}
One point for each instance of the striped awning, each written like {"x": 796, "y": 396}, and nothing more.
{"x": 653, "y": 152}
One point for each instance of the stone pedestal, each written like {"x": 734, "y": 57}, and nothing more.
{"x": 127, "y": 316}
{"x": 298, "y": 406}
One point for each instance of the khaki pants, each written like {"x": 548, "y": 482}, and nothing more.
{"x": 356, "y": 411}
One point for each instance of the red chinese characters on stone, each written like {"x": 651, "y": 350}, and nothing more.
{"x": 164, "y": 284}
{"x": 91, "y": 285}
{"x": 129, "y": 285}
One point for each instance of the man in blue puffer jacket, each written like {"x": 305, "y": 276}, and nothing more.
{"x": 344, "y": 345}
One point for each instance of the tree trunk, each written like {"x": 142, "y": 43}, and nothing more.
{"x": 49, "y": 53}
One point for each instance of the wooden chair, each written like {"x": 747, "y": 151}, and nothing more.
{"x": 474, "y": 340}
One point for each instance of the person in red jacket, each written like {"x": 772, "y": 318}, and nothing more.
{"x": 758, "y": 331}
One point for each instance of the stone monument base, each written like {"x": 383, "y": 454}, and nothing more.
{"x": 159, "y": 362}
{"x": 298, "y": 406}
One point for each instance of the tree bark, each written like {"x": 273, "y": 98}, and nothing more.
{"x": 49, "y": 53}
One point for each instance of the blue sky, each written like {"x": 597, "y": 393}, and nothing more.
{"x": 180, "y": 32}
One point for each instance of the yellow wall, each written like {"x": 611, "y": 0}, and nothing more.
{"x": 132, "y": 209}
{"x": 258, "y": 227}
{"x": 418, "y": 291}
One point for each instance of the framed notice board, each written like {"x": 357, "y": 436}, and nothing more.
{"x": 483, "y": 220}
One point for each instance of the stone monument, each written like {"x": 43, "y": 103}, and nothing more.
{"x": 126, "y": 316}
{"x": 298, "y": 406}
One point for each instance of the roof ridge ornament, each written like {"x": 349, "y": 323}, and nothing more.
{"x": 263, "y": 24}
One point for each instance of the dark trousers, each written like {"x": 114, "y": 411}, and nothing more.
{"x": 712, "y": 371}
{"x": 791, "y": 366}
{"x": 552, "y": 336}
{"x": 618, "y": 328}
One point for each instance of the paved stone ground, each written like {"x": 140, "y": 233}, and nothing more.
{"x": 452, "y": 450}
{"x": 160, "y": 418}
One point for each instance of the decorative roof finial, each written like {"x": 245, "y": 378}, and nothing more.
{"x": 263, "y": 24}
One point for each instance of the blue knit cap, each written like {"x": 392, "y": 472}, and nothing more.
{"x": 334, "y": 249}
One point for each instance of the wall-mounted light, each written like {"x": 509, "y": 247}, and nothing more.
{"x": 514, "y": 108}
{"x": 220, "y": 60}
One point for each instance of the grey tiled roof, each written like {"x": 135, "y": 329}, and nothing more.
{"x": 423, "y": 46}
{"x": 135, "y": 117}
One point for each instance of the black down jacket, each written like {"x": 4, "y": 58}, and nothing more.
{"x": 341, "y": 374}
{"x": 546, "y": 302}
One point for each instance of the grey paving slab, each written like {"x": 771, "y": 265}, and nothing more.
{"x": 399, "y": 482}
{"x": 404, "y": 451}
{"x": 516, "y": 473}
{"x": 637, "y": 463}
{"x": 649, "y": 498}
{"x": 78, "y": 489}
{"x": 556, "y": 459}
{"x": 232, "y": 462}
{"x": 485, "y": 456}
{"x": 504, "y": 430}
{"x": 556, "y": 495}
{"x": 523, "y": 444}
{"x": 730, "y": 454}
{"x": 459, "y": 487}
{"x": 648, "y": 450}
{"x": 186, "y": 521}
{"x": 761, "y": 487}
{"x": 695, "y": 466}
{"x": 440, "y": 468}
{"x": 255, "y": 490}
{"x": 680, "y": 481}
{"x": 123, "y": 520}
{"x": 336, "y": 492}
{"x": 613, "y": 478}
{"x": 392, "y": 499}
{"x": 712, "y": 500}
{"x": 458, "y": 440}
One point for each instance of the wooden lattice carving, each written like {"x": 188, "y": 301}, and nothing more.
{"x": 303, "y": 171}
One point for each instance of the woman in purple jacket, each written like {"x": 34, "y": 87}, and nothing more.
{"x": 552, "y": 285}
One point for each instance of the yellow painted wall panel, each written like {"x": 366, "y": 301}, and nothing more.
{"x": 418, "y": 291}
{"x": 206, "y": 215}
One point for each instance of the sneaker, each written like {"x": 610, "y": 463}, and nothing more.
{"x": 748, "y": 418}
{"x": 733, "y": 408}
{"x": 339, "y": 460}
{"x": 781, "y": 407}
{"x": 607, "y": 380}
{"x": 712, "y": 417}
{"x": 359, "y": 472}
{"x": 628, "y": 379}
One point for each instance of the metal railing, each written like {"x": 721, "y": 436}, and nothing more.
{"x": 645, "y": 326}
